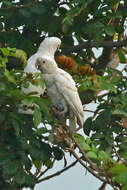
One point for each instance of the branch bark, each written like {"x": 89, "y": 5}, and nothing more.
{"x": 88, "y": 44}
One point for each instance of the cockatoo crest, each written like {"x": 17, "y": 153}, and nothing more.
{"x": 49, "y": 46}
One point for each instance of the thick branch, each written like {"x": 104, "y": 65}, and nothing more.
{"x": 85, "y": 45}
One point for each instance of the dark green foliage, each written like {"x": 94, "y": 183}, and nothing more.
{"x": 58, "y": 153}
{"x": 21, "y": 144}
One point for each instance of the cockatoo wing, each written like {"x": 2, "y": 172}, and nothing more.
{"x": 66, "y": 86}
{"x": 30, "y": 68}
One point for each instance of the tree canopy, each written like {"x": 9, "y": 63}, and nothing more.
{"x": 83, "y": 27}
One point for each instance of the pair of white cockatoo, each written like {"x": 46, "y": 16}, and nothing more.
{"x": 60, "y": 86}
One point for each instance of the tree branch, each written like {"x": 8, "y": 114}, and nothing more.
{"x": 85, "y": 156}
{"x": 86, "y": 167}
{"x": 88, "y": 44}
{"x": 58, "y": 172}
{"x": 42, "y": 173}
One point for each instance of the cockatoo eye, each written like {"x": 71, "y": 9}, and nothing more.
{"x": 43, "y": 61}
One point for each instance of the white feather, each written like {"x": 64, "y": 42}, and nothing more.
{"x": 61, "y": 88}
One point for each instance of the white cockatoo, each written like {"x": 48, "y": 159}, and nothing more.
{"x": 62, "y": 91}
{"x": 48, "y": 48}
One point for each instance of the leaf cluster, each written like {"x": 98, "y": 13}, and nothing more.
{"x": 22, "y": 142}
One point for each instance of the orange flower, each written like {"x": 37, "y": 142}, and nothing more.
{"x": 65, "y": 61}
{"x": 86, "y": 69}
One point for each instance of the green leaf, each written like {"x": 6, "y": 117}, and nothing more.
{"x": 8, "y": 3}
{"x": 16, "y": 127}
{"x": 81, "y": 142}
{"x": 43, "y": 105}
{"x": 27, "y": 101}
{"x": 67, "y": 22}
{"x": 49, "y": 163}
{"x": 5, "y": 51}
{"x": 87, "y": 126}
{"x": 30, "y": 181}
{"x": 118, "y": 169}
{"x": 121, "y": 178}
{"x": 41, "y": 130}
{"x": 10, "y": 168}
{"x": 21, "y": 55}
{"x": 38, "y": 164}
{"x": 124, "y": 187}
{"x": 2, "y": 117}
{"x": 37, "y": 116}
{"x": 58, "y": 153}
{"x": 92, "y": 155}
{"x": 47, "y": 150}
{"x": 38, "y": 9}
{"x": 25, "y": 13}
{"x": 119, "y": 112}
{"x": 102, "y": 155}
{"x": 110, "y": 30}
{"x": 122, "y": 57}
{"x": 2, "y": 86}
{"x": 20, "y": 177}
{"x": 9, "y": 76}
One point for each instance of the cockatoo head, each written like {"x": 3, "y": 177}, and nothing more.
{"x": 46, "y": 65}
{"x": 49, "y": 45}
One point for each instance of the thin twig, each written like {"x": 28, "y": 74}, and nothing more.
{"x": 103, "y": 95}
{"x": 58, "y": 172}
{"x": 118, "y": 156}
{"x": 95, "y": 113}
{"x": 89, "y": 111}
{"x": 42, "y": 173}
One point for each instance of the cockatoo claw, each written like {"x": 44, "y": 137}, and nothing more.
{"x": 58, "y": 106}
{"x": 58, "y": 110}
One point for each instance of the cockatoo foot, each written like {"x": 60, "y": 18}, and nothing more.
{"x": 58, "y": 106}
{"x": 58, "y": 110}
